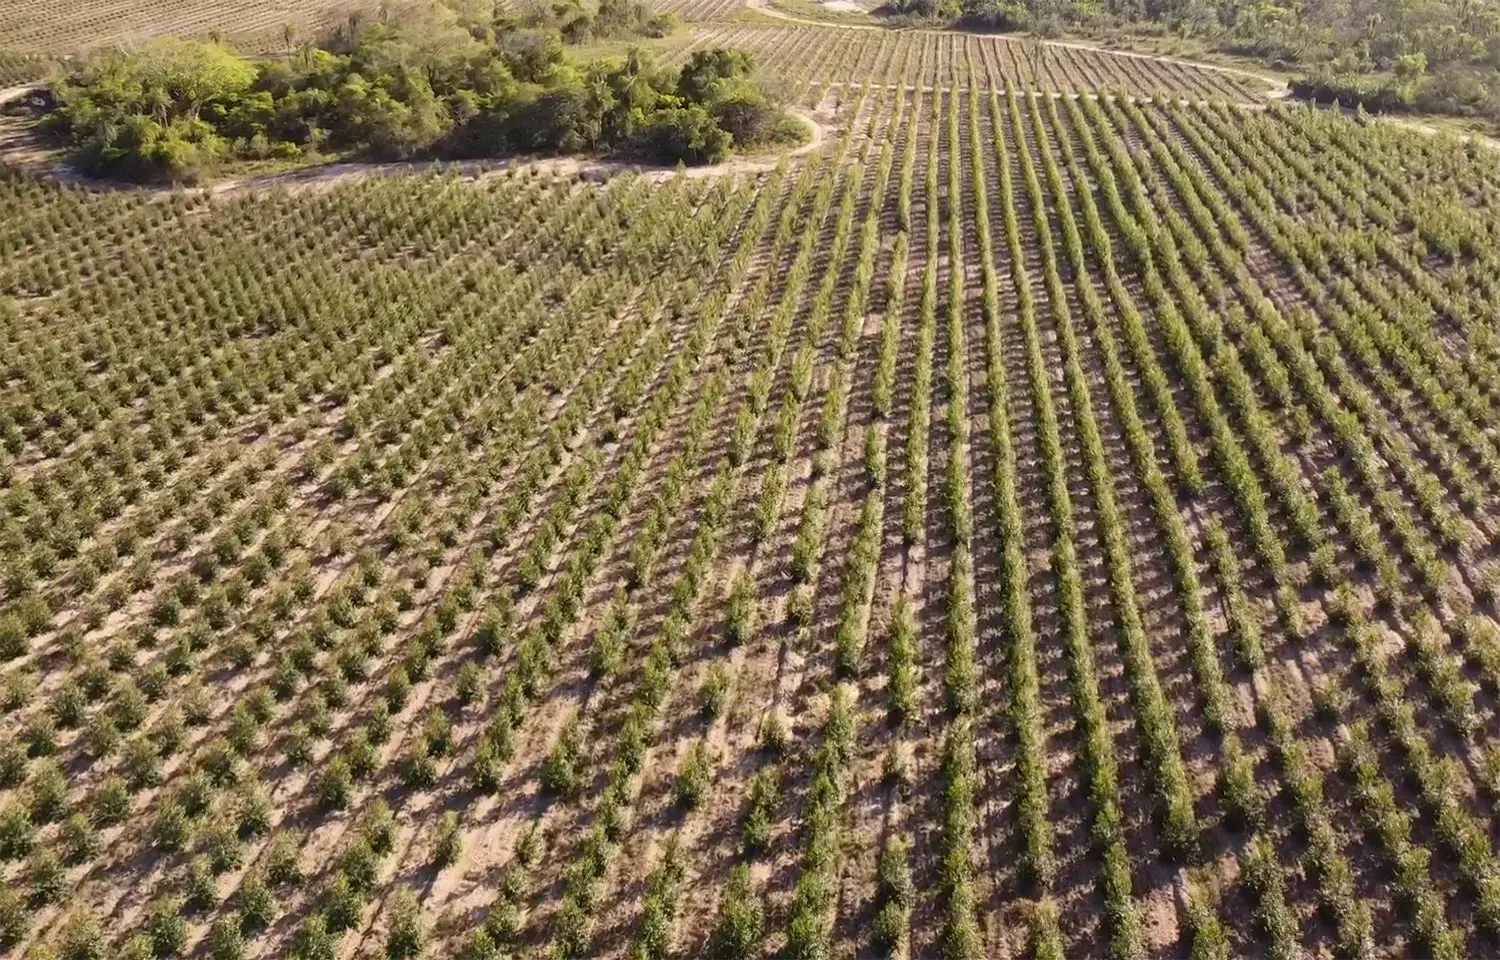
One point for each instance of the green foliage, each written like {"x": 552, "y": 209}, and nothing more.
{"x": 46, "y": 875}
{"x": 314, "y": 941}
{"x": 903, "y": 661}
{"x": 333, "y": 783}
{"x": 283, "y": 857}
{"x": 166, "y": 927}
{"x": 449, "y": 842}
{"x": 82, "y": 937}
{"x": 111, "y": 802}
{"x": 761, "y": 814}
{"x": 143, "y": 114}
{"x": 713, "y": 695}
{"x": 896, "y": 894}
{"x": 47, "y": 791}
{"x": 739, "y": 624}
{"x": 80, "y": 840}
{"x": 740, "y": 928}
{"x": 689, "y": 134}
{"x": 423, "y": 83}
{"x": 256, "y": 902}
{"x": 562, "y": 771}
{"x": 17, "y": 832}
{"x": 225, "y": 939}
{"x": 15, "y": 917}
{"x": 694, "y": 775}
{"x": 404, "y": 940}
{"x": 342, "y": 903}
{"x": 663, "y": 888}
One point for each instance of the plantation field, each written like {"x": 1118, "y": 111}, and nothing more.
{"x": 1057, "y": 517}
{"x": 813, "y": 60}
{"x": 38, "y": 26}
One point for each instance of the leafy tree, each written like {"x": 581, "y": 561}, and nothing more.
{"x": 705, "y": 69}
{"x": 417, "y": 84}
{"x": 449, "y": 844}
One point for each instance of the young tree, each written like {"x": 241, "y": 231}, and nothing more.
{"x": 741, "y": 925}
{"x": 405, "y": 938}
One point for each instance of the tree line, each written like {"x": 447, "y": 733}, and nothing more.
{"x": 439, "y": 82}
{"x": 1434, "y": 56}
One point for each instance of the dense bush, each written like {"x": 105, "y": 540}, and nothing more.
{"x": 434, "y": 83}
{"x": 1458, "y": 91}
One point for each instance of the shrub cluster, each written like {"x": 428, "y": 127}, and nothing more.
{"x": 436, "y": 82}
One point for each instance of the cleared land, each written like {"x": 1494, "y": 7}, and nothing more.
{"x": 1098, "y": 494}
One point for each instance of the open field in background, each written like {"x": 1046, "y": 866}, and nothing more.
{"x": 702, "y": 10}
{"x": 35, "y": 35}
{"x": 38, "y": 26}
{"x": 812, "y": 59}
{"x": 1101, "y": 497}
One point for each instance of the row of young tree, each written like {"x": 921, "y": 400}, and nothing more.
{"x": 437, "y": 82}
{"x": 1433, "y": 658}
{"x": 1438, "y": 56}
{"x": 347, "y": 664}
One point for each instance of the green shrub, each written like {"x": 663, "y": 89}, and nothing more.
{"x": 17, "y": 832}
{"x": 315, "y": 941}
{"x": 342, "y": 904}
{"x": 283, "y": 861}
{"x": 15, "y": 917}
{"x": 480, "y": 946}
{"x": 256, "y": 903}
{"x": 405, "y": 937}
{"x": 333, "y": 784}
{"x": 562, "y": 772}
{"x": 419, "y": 766}
{"x": 47, "y": 792}
{"x": 46, "y": 875}
{"x": 79, "y": 839}
{"x": 82, "y": 937}
{"x": 687, "y": 134}
{"x": 740, "y": 928}
{"x": 694, "y": 775}
{"x": 740, "y": 619}
{"x": 111, "y": 802}
{"x": 225, "y": 939}
{"x": 449, "y": 843}
{"x": 166, "y": 928}
{"x": 713, "y": 695}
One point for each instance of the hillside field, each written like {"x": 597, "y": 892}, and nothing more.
{"x": 1057, "y": 516}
